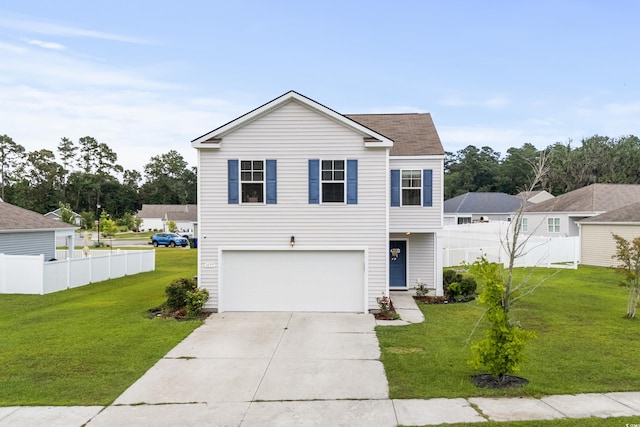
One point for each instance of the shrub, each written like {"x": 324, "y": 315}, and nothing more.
{"x": 459, "y": 287}
{"x": 422, "y": 290}
{"x": 177, "y": 292}
{"x": 468, "y": 286}
{"x": 195, "y": 301}
{"x": 450, "y": 276}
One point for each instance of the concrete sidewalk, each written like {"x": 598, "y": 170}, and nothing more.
{"x": 297, "y": 369}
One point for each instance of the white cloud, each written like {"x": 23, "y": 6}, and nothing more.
{"x": 46, "y": 45}
{"x": 46, "y": 95}
{"x": 31, "y": 25}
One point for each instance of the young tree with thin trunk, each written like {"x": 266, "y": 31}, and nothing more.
{"x": 501, "y": 350}
{"x": 628, "y": 253}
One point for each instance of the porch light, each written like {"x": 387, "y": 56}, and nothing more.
{"x": 292, "y": 242}
{"x": 408, "y": 233}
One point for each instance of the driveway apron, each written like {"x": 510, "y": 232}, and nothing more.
{"x": 242, "y": 368}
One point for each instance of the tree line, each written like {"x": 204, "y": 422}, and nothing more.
{"x": 598, "y": 159}
{"x": 85, "y": 176}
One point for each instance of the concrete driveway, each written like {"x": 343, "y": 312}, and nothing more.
{"x": 264, "y": 369}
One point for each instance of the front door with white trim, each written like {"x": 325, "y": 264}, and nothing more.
{"x": 398, "y": 264}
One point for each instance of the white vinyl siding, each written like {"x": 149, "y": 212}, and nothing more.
{"x": 32, "y": 243}
{"x": 420, "y": 260}
{"x": 293, "y": 134}
{"x": 597, "y": 244}
{"x": 419, "y": 218}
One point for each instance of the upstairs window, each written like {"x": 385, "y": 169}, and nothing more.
{"x": 553, "y": 225}
{"x": 333, "y": 181}
{"x": 252, "y": 181}
{"x": 411, "y": 187}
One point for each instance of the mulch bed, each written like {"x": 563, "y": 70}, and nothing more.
{"x": 440, "y": 300}
{"x": 507, "y": 381}
{"x": 390, "y": 315}
{"x": 178, "y": 315}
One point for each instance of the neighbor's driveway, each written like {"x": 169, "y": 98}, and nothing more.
{"x": 253, "y": 368}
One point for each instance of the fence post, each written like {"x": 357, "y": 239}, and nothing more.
{"x": 2, "y": 270}
{"x": 41, "y": 275}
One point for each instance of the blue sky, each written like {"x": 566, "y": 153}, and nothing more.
{"x": 146, "y": 77}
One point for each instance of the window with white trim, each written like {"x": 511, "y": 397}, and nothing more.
{"x": 524, "y": 224}
{"x": 252, "y": 181}
{"x": 333, "y": 178}
{"x": 411, "y": 187}
{"x": 553, "y": 225}
{"x": 464, "y": 220}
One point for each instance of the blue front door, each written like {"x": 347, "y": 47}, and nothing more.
{"x": 397, "y": 264}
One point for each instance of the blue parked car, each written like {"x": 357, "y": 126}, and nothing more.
{"x": 168, "y": 239}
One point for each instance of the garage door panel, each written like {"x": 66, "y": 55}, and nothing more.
{"x": 293, "y": 280}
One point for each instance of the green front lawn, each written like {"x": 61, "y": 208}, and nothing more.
{"x": 584, "y": 343}
{"x": 85, "y": 346}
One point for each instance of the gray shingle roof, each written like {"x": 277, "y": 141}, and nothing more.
{"x": 412, "y": 134}
{"x": 482, "y": 203}
{"x": 15, "y": 218}
{"x": 629, "y": 213}
{"x": 592, "y": 198}
{"x": 173, "y": 212}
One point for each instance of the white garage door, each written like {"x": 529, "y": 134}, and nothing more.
{"x": 294, "y": 280}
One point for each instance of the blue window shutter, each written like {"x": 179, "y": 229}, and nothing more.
{"x": 314, "y": 182}
{"x": 232, "y": 182}
{"x": 272, "y": 182}
{"x": 427, "y": 187}
{"x": 352, "y": 182}
{"x": 395, "y": 187}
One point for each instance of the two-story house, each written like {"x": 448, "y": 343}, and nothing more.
{"x": 302, "y": 208}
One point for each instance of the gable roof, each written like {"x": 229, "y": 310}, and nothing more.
{"x": 14, "y": 218}
{"x": 171, "y": 212}
{"x": 413, "y": 134}
{"x": 626, "y": 214}
{"x": 534, "y": 196}
{"x": 58, "y": 213}
{"x": 482, "y": 203}
{"x": 212, "y": 139}
{"x": 592, "y": 198}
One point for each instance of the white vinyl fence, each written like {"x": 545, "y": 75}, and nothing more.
{"x": 464, "y": 244}
{"x": 22, "y": 274}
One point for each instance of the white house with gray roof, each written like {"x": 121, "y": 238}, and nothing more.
{"x": 157, "y": 217}
{"x": 24, "y": 232}
{"x": 480, "y": 207}
{"x": 301, "y": 208}
{"x": 559, "y": 217}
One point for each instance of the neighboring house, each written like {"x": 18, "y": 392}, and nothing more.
{"x": 480, "y": 207}
{"x": 157, "y": 217}
{"x": 596, "y": 234}
{"x": 302, "y": 208}
{"x": 57, "y": 215}
{"x": 23, "y": 232}
{"x": 535, "y": 196}
{"x": 559, "y": 216}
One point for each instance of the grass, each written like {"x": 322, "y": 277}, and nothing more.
{"x": 584, "y": 344}
{"x": 85, "y": 346}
